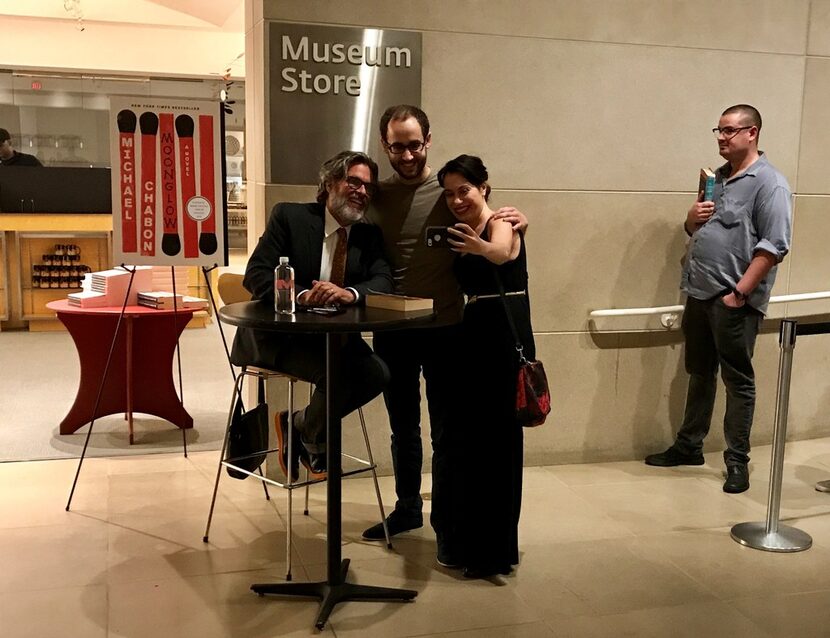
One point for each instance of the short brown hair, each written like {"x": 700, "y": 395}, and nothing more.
{"x": 403, "y": 112}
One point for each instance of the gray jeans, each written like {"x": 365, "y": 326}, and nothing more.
{"x": 717, "y": 335}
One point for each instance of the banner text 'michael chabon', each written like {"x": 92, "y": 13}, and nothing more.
{"x": 335, "y": 53}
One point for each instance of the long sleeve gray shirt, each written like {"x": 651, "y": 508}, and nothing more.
{"x": 753, "y": 211}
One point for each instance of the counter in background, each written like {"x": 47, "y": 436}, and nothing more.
{"x": 28, "y": 238}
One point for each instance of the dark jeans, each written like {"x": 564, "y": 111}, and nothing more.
{"x": 435, "y": 352}
{"x": 719, "y": 335}
{"x": 362, "y": 377}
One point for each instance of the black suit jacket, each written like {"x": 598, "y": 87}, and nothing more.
{"x": 297, "y": 231}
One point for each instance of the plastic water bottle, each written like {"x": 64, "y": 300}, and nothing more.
{"x": 284, "y": 288}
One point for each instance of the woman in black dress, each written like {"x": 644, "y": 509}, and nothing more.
{"x": 490, "y": 439}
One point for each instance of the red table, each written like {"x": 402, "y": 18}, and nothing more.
{"x": 140, "y": 377}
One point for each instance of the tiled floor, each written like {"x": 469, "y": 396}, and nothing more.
{"x": 616, "y": 549}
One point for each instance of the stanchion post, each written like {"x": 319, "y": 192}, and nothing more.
{"x": 770, "y": 535}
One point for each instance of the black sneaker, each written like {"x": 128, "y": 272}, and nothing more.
{"x": 447, "y": 555}
{"x": 397, "y": 524}
{"x": 281, "y": 426}
{"x": 671, "y": 458}
{"x": 737, "y": 479}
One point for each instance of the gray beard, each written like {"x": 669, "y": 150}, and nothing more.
{"x": 343, "y": 212}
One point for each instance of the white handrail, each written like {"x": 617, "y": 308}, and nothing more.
{"x": 661, "y": 310}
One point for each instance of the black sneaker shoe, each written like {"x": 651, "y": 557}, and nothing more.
{"x": 281, "y": 425}
{"x": 671, "y": 458}
{"x": 737, "y": 479}
{"x": 448, "y": 555}
{"x": 397, "y": 524}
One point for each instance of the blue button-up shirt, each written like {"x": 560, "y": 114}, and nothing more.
{"x": 753, "y": 211}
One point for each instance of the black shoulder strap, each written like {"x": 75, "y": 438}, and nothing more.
{"x": 519, "y": 347}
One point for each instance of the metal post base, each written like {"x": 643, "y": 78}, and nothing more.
{"x": 332, "y": 593}
{"x": 786, "y": 539}
{"x": 823, "y": 486}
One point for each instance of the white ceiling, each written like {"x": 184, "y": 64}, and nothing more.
{"x": 160, "y": 37}
{"x": 224, "y": 15}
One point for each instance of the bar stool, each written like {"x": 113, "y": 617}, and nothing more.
{"x": 231, "y": 291}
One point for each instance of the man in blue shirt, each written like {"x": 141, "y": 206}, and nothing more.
{"x": 737, "y": 242}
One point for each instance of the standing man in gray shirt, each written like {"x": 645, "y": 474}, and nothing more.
{"x": 737, "y": 242}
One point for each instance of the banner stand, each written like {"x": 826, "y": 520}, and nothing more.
{"x": 178, "y": 354}
{"x": 770, "y": 535}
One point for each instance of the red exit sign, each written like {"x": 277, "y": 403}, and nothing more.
{"x": 36, "y": 85}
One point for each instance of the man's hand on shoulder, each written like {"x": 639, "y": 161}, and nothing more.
{"x": 514, "y": 216}
{"x": 325, "y": 293}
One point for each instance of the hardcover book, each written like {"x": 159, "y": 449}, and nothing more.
{"x": 401, "y": 303}
{"x": 706, "y": 186}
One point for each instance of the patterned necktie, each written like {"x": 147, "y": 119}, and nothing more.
{"x": 338, "y": 264}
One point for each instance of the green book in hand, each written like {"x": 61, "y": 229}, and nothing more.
{"x": 706, "y": 186}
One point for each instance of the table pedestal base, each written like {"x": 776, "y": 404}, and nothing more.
{"x": 332, "y": 593}
{"x": 785, "y": 539}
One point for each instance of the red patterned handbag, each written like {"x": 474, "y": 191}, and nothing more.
{"x": 532, "y": 393}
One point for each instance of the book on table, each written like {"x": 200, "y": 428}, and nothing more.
{"x": 160, "y": 300}
{"x": 706, "y": 186}
{"x": 401, "y": 303}
{"x": 196, "y": 303}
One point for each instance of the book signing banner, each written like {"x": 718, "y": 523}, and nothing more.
{"x": 168, "y": 184}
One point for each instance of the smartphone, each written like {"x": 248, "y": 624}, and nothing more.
{"x": 437, "y": 236}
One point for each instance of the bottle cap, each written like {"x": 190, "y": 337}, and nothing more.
{"x": 283, "y": 260}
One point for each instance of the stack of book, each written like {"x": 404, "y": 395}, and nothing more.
{"x": 112, "y": 284}
{"x": 163, "y": 279}
{"x": 87, "y": 299}
{"x": 160, "y": 300}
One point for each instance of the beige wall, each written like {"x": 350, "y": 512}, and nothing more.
{"x": 594, "y": 118}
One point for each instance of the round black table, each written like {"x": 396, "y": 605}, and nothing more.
{"x": 260, "y": 316}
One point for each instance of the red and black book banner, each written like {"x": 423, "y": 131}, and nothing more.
{"x": 168, "y": 182}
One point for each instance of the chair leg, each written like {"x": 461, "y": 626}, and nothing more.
{"x": 289, "y": 522}
{"x": 264, "y": 486}
{"x": 262, "y": 386}
{"x": 307, "y": 484}
{"x": 374, "y": 477}
{"x": 237, "y": 392}
{"x": 307, "y": 487}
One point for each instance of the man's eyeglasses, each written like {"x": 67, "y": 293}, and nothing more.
{"x": 355, "y": 183}
{"x": 728, "y": 131}
{"x": 399, "y": 149}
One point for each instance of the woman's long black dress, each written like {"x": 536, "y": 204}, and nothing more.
{"x": 490, "y": 445}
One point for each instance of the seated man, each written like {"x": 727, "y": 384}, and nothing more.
{"x": 336, "y": 261}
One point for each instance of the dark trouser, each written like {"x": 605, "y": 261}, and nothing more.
{"x": 718, "y": 335}
{"x": 434, "y": 351}
{"x": 362, "y": 377}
